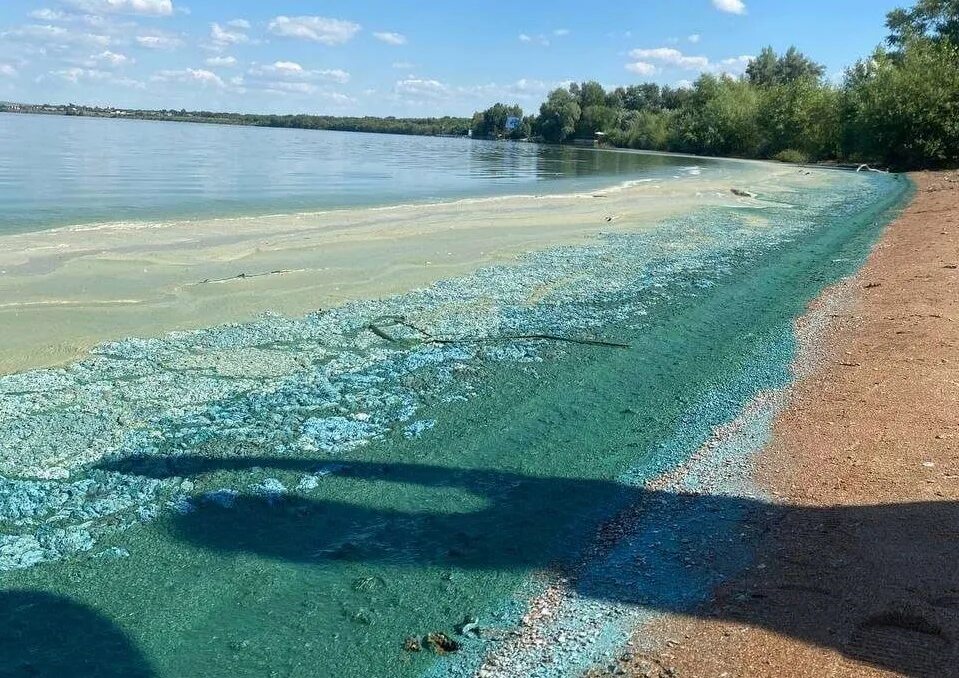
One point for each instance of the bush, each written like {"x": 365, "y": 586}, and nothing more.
{"x": 791, "y": 155}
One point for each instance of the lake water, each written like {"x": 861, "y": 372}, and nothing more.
{"x": 59, "y": 171}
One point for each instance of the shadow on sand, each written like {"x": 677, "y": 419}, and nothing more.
{"x": 48, "y": 635}
{"x": 877, "y": 583}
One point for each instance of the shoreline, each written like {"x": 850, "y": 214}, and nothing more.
{"x": 144, "y": 281}
{"x": 854, "y": 571}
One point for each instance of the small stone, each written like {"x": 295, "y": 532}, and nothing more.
{"x": 441, "y": 644}
{"x": 412, "y": 644}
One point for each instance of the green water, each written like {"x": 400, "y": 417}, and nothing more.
{"x": 408, "y": 535}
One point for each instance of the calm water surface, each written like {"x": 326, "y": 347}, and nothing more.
{"x": 57, "y": 171}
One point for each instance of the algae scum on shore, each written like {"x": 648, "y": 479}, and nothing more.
{"x": 297, "y": 496}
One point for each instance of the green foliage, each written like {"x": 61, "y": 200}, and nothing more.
{"x": 791, "y": 155}
{"x": 649, "y": 130}
{"x": 770, "y": 70}
{"x": 937, "y": 20}
{"x": 900, "y": 109}
{"x": 722, "y": 118}
{"x": 905, "y": 109}
{"x": 802, "y": 115}
{"x": 558, "y": 115}
{"x": 491, "y": 123}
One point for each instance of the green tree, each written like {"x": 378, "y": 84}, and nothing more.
{"x": 904, "y": 108}
{"x": 937, "y": 20}
{"x": 491, "y": 123}
{"x": 794, "y": 65}
{"x": 770, "y": 70}
{"x": 763, "y": 71}
{"x": 558, "y": 115}
{"x": 591, "y": 94}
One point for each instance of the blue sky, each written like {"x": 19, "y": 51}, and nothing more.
{"x": 404, "y": 57}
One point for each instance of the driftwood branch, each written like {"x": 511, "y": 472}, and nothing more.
{"x": 376, "y": 326}
{"x": 243, "y": 276}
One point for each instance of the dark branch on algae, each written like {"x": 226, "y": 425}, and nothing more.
{"x": 375, "y": 327}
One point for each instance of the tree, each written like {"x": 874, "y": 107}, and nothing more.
{"x": 591, "y": 94}
{"x": 794, "y": 65}
{"x": 721, "y": 118}
{"x": 763, "y": 71}
{"x": 558, "y": 115}
{"x": 937, "y": 20}
{"x": 904, "y": 108}
{"x": 491, "y": 123}
{"x": 645, "y": 97}
{"x": 596, "y": 119}
{"x": 769, "y": 70}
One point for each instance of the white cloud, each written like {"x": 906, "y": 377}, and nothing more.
{"x": 242, "y": 24}
{"x": 286, "y": 67}
{"x": 402, "y": 65}
{"x": 671, "y": 57}
{"x": 421, "y": 87}
{"x": 290, "y": 70}
{"x": 223, "y": 37}
{"x": 283, "y": 87}
{"x": 316, "y": 28}
{"x": 74, "y": 75}
{"x": 561, "y": 32}
{"x": 112, "y": 58}
{"x": 142, "y": 7}
{"x": 56, "y": 35}
{"x": 730, "y": 6}
{"x": 534, "y": 39}
{"x": 694, "y": 38}
{"x": 334, "y": 75}
{"x": 295, "y": 87}
{"x": 159, "y": 41}
{"x": 47, "y": 14}
{"x": 684, "y": 84}
{"x": 642, "y": 68}
{"x": 190, "y": 75}
{"x": 390, "y": 38}
{"x": 648, "y": 61}
{"x": 77, "y": 75}
{"x": 8, "y": 71}
{"x": 733, "y": 65}
{"x": 221, "y": 61}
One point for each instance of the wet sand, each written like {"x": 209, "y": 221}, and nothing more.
{"x": 65, "y": 290}
{"x": 858, "y": 573}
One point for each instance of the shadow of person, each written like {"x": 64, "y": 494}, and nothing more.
{"x": 42, "y": 634}
{"x": 879, "y": 583}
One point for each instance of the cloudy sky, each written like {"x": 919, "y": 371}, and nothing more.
{"x": 399, "y": 57}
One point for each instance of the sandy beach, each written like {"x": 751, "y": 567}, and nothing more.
{"x": 855, "y": 574}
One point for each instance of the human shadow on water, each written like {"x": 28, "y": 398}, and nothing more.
{"x": 42, "y": 634}
{"x": 879, "y": 583}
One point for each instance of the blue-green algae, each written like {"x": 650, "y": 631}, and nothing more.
{"x": 296, "y": 496}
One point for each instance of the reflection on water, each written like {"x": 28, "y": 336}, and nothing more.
{"x": 59, "y": 170}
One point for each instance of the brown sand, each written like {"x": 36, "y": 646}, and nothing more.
{"x": 859, "y": 576}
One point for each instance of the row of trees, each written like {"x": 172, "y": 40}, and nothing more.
{"x": 899, "y": 107}
{"x": 444, "y": 126}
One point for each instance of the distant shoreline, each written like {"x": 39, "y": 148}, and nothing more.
{"x": 441, "y": 126}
